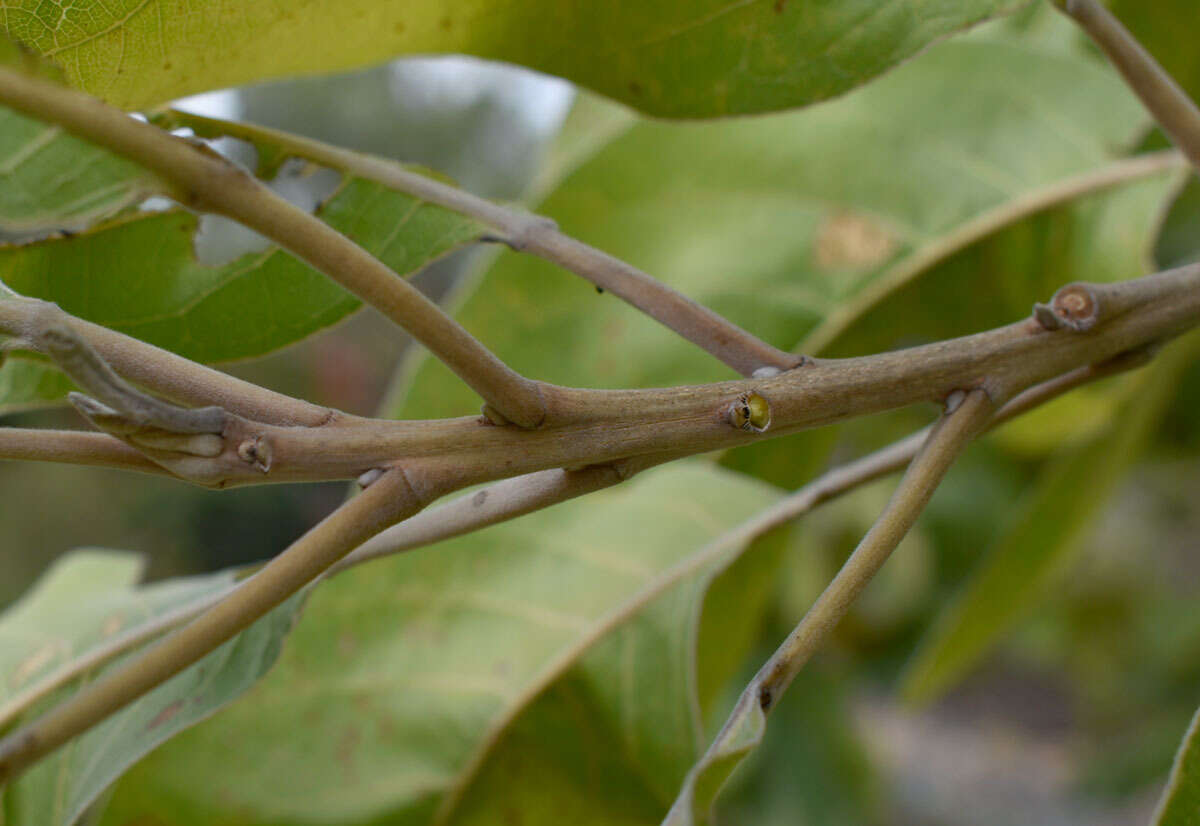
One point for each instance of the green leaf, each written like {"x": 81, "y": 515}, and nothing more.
{"x": 696, "y": 59}
{"x": 740, "y": 735}
{"x": 811, "y": 768}
{"x": 48, "y": 179}
{"x": 51, "y": 180}
{"x": 1180, "y": 803}
{"x": 1054, "y": 522}
{"x": 1105, "y": 236}
{"x": 548, "y": 660}
{"x": 26, "y": 384}
{"x": 139, "y": 274}
{"x": 86, "y": 598}
{"x": 1179, "y": 237}
{"x": 795, "y": 225}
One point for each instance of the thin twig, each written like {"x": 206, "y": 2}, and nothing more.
{"x": 965, "y": 417}
{"x": 1159, "y": 92}
{"x": 388, "y": 500}
{"x": 945, "y": 442}
{"x": 88, "y": 369}
{"x": 535, "y": 235}
{"x": 73, "y": 447}
{"x": 202, "y": 180}
{"x": 164, "y": 372}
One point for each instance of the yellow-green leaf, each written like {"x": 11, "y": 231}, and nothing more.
{"x": 684, "y": 59}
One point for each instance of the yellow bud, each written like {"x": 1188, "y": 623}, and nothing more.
{"x": 750, "y": 412}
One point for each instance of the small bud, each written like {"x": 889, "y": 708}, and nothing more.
{"x": 257, "y": 452}
{"x": 1077, "y": 306}
{"x": 750, "y": 412}
{"x": 1044, "y": 315}
{"x": 369, "y": 478}
{"x": 493, "y": 416}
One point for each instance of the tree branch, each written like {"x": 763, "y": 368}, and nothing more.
{"x": 1162, "y": 96}
{"x": 388, "y": 500}
{"x": 202, "y": 180}
{"x": 966, "y": 415}
{"x": 72, "y": 447}
{"x": 609, "y": 425}
{"x": 525, "y": 494}
{"x": 535, "y": 235}
{"x": 945, "y": 442}
{"x": 164, "y": 372}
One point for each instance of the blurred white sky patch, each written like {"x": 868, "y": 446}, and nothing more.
{"x": 458, "y": 82}
{"x": 450, "y": 81}
{"x": 223, "y": 103}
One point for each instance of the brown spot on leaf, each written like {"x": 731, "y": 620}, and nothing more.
{"x": 848, "y": 241}
{"x": 112, "y": 625}
{"x": 399, "y": 27}
{"x": 166, "y": 714}
{"x": 347, "y": 745}
{"x": 34, "y": 663}
{"x": 765, "y": 698}
{"x": 779, "y": 6}
{"x": 446, "y": 24}
{"x": 635, "y": 88}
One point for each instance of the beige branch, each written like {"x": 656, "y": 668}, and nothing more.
{"x": 604, "y": 426}
{"x": 72, "y": 447}
{"x": 1158, "y": 91}
{"x": 535, "y": 235}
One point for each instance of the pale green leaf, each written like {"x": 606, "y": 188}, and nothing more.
{"x": 1180, "y": 803}
{"x": 48, "y": 179}
{"x": 694, "y": 59}
{"x": 742, "y": 733}
{"x": 812, "y": 768}
{"x": 563, "y": 642}
{"x": 1105, "y": 236}
{"x": 140, "y": 276}
{"x": 51, "y": 180}
{"x": 85, "y": 599}
{"x": 798, "y": 224}
{"x": 27, "y": 384}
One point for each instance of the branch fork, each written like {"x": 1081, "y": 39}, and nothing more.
{"x": 219, "y": 431}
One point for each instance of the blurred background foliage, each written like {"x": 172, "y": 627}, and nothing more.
{"x": 1065, "y": 700}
